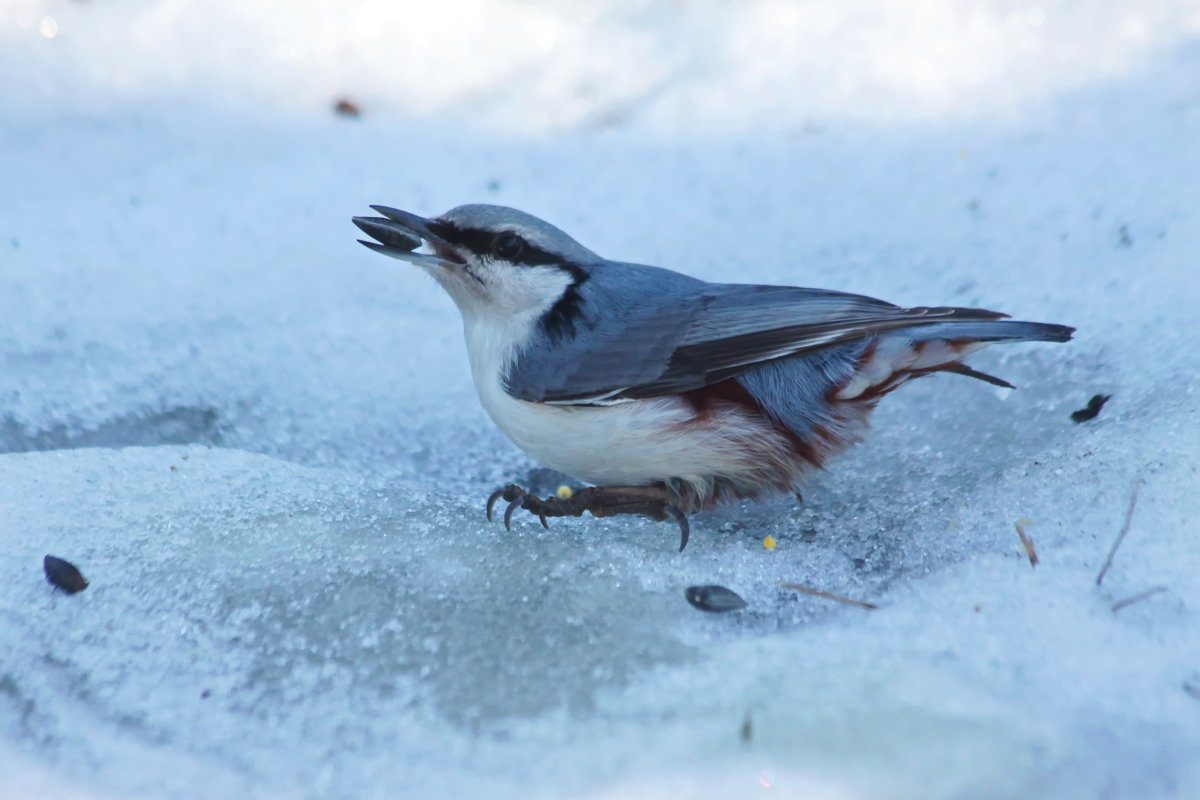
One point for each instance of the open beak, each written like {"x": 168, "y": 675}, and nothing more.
{"x": 400, "y": 233}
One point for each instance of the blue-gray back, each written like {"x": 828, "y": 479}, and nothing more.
{"x": 639, "y": 331}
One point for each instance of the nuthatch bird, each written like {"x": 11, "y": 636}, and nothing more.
{"x": 669, "y": 393}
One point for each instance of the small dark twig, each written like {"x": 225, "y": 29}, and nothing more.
{"x": 1137, "y": 598}
{"x": 1027, "y": 543}
{"x": 1092, "y": 409}
{"x": 796, "y": 587}
{"x": 1137, "y": 485}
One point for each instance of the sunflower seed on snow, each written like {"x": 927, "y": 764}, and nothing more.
{"x": 713, "y": 598}
{"x": 64, "y": 575}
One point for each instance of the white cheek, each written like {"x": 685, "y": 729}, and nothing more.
{"x": 502, "y": 290}
{"x": 516, "y": 289}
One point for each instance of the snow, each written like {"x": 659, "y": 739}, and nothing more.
{"x": 260, "y": 443}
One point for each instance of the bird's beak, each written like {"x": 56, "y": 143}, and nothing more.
{"x": 400, "y": 233}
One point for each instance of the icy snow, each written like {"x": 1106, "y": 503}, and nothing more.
{"x": 260, "y": 442}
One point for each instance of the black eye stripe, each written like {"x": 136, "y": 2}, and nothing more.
{"x": 560, "y": 320}
{"x": 480, "y": 242}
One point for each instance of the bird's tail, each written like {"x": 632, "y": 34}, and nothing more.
{"x": 898, "y": 356}
{"x": 996, "y": 330}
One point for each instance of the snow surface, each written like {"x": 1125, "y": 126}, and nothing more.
{"x": 260, "y": 443}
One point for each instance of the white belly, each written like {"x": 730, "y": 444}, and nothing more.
{"x": 639, "y": 442}
{"x": 631, "y": 443}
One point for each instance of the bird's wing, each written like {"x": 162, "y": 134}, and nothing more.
{"x": 744, "y": 326}
{"x": 639, "y": 337}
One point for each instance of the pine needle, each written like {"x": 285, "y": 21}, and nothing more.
{"x": 1027, "y": 543}
{"x": 796, "y": 587}
{"x": 1137, "y": 485}
{"x": 1137, "y": 598}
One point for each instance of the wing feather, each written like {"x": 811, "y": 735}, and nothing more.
{"x": 646, "y": 332}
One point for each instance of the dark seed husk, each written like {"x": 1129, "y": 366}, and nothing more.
{"x": 1091, "y": 409}
{"x": 714, "y": 598}
{"x": 347, "y": 108}
{"x": 64, "y": 575}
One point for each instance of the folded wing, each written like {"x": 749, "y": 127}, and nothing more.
{"x": 656, "y": 339}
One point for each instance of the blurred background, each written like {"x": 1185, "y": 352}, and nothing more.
{"x": 528, "y": 69}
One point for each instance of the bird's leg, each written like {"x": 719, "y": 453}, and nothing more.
{"x": 600, "y": 501}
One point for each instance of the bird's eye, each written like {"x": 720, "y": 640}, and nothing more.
{"x": 507, "y": 246}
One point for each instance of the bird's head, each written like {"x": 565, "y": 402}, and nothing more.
{"x": 492, "y": 260}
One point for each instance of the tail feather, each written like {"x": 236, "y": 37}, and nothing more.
{"x": 960, "y": 368}
{"x": 897, "y": 357}
{"x": 990, "y": 331}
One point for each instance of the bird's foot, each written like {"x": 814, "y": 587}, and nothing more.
{"x": 600, "y": 501}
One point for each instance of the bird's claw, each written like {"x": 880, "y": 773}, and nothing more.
{"x": 510, "y": 493}
{"x": 508, "y": 513}
{"x": 599, "y": 501}
{"x": 685, "y": 529}
{"x": 491, "y": 502}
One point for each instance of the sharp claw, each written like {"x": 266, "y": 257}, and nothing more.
{"x": 519, "y": 498}
{"x": 684, "y": 527}
{"x": 508, "y": 512}
{"x": 491, "y": 503}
